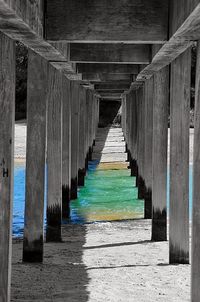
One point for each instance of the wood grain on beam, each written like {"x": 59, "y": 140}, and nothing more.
{"x": 110, "y": 91}
{"x": 109, "y": 86}
{"x": 180, "y": 41}
{"x": 98, "y": 77}
{"x": 30, "y": 11}
{"x": 7, "y": 125}
{"x": 14, "y": 26}
{"x": 179, "y": 10}
{"x": 107, "y": 20}
{"x": 107, "y": 68}
{"x": 110, "y": 53}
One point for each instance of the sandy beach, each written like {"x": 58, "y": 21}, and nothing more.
{"x": 102, "y": 262}
{"x": 112, "y": 262}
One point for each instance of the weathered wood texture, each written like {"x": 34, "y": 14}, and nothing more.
{"x": 35, "y": 165}
{"x": 107, "y": 68}
{"x": 179, "y": 159}
{"x": 54, "y": 155}
{"x": 159, "y": 155}
{"x": 31, "y": 12}
{"x": 7, "y": 114}
{"x": 179, "y": 10}
{"x": 117, "y": 85}
{"x": 82, "y": 137}
{"x": 133, "y": 148}
{"x": 195, "y": 292}
{"x": 141, "y": 142}
{"x": 111, "y": 77}
{"x": 63, "y": 47}
{"x": 178, "y": 43}
{"x": 148, "y": 132}
{"x": 110, "y": 53}
{"x": 14, "y": 15}
{"x": 138, "y": 21}
{"x": 75, "y": 103}
{"x": 66, "y": 147}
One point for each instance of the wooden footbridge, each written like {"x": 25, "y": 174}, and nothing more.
{"x": 136, "y": 51}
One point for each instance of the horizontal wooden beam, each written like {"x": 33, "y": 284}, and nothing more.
{"x": 63, "y": 66}
{"x": 107, "y": 68}
{"x": 110, "y": 98}
{"x": 30, "y": 11}
{"x": 178, "y": 12}
{"x": 180, "y": 41}
{"x": 98, "y": 77}
{"x": 110, "y": 91}
{"x": 110, "y": 53}
{"x": 110, "y": 86}
{"x": 141, "y": 21}
{"x": 111, "y": 95}
{"x": 17, "y": 28}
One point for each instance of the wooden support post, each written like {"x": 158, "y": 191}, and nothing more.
{"x": 87, "y": 131}
{"x": 7, "y": 124}
{"x": 134, "y": 134}
{"x": 130, "y": 129}
{"x": 90, "y": 96}
{"x": 195, "y": 292}
{"x": 75, "y": 101}
{"x": 35, "y": 165}
{"x": 148, "y": 132}
{"x": 179, "y": 159}
{"x": 54, "y": 155}
{"x": 141, "y": 144}
{"x": 82, "y": 136}
{"x": 66, "y": 148}
{"x": 159, "y": 166}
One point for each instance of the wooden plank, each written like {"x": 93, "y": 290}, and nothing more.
{"x": 82, "y": 137}
{"x": 108, "y": 21}
{"x": 111, "y": 97}
{"x": 31, "y": 12}
{"x": 117, "y": 85}
{"x": 98, "y": 77}
{"x": 141, "y": 143}
{"x": 16, "y": 28}
{"x": 195, "y": 290}
{"x": 179, "y": 10}
{"x": 7, "y": 115}
{"x": 35, "y": 165}
{"x": 148, "y": 133}
{"x": 75, "y": 102}
{"x": 110, "y": 53}
{"x": 69, "y": 74}
{"x": 66, "y": 147}
{"x": 54, "y": 156}
{"x": 179, "y": 159}
{"x": 107, "y": 68}
{"x": 159, "y": 161}
{"x": 133, "y": 163}
{"x": 179, "y": 42}
{"x": 113, "y": 91}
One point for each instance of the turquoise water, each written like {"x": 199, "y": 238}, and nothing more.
{"x": 107, "y": 195}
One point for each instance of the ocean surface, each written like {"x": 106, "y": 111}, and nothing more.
{"x": 108, "y": 195}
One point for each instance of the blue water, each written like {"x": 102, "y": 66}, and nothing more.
{"x": 86, "y": 208}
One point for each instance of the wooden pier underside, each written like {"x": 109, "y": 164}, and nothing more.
{"x": 80, "y": 53}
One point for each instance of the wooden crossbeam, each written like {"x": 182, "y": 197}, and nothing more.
{"x": 110, "y": 91}
{"x": 110, "y": 53}
{"x": 14, "y": 26}
{"x": 107, "y": 68}
{"x": 179, "y": 42}
{"x": 141, "y": 21}
{"x": 118, "y": 85}
{"x": 98, "y": 77}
